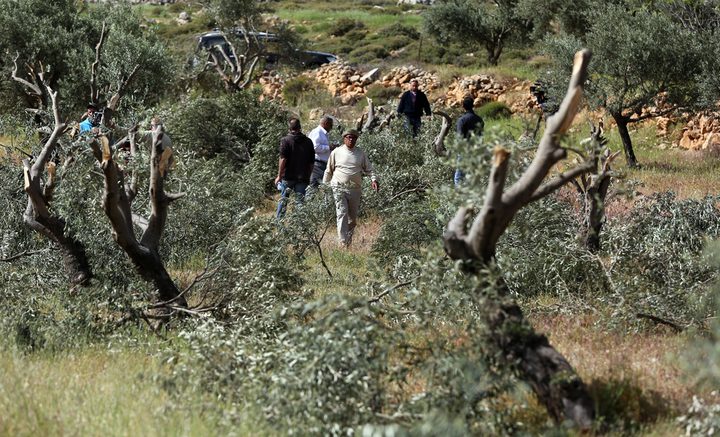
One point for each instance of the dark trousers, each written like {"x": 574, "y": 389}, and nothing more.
{"x": 413, "y": 122}
{"x": 318, "y": 173}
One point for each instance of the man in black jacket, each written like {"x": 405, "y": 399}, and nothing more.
{"x": 412, "y": 103}
{"x": 470, "y": 123}
{"x": 297, "y": 159}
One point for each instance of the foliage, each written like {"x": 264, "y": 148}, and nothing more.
{"x": 129, "y": 45}
{"x": 491, "y": 24}
{"x": 655, "y": 261}
{"x": 642, "y": 79}
{"x": 540, "y": 254}
{"x": 63, "y": 40}
{"x": 493, "y": 110}
{"x": 296, "y": 88}
{"x": 50, "y": 33}
{"x": 342, "y": 364}
{"x": 236, "y": 127}
{"x": 345, "y": 25}
{"x": 369, "y": 52}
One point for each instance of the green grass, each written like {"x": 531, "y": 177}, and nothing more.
{"x": 108, "y": 392}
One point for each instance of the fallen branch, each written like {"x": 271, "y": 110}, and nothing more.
{"x": 389, "y": 290}
{"x": 660, "y": 321}
{"x": 20, "y": 255}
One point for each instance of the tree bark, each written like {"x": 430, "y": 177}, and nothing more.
{"x": 38, "y": 215}
{"x": 622, "y": 124}
{"x": 551, "y": 377}
{"x": 75, "y": 259}
{"x": 595, "y": 213}
{"x": 549, "y": 374}
{"x": 144, "y": 254}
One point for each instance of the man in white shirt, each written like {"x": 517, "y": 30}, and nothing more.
{"x": 321, "y": 142}
{"x": 345, "y": 168}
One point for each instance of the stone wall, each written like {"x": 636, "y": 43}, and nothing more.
{"x": 702, "y": 131}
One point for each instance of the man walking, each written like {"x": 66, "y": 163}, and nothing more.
{"x": 296, "y": 164}
{"x": 321, "y": 143}
{"x": 346, "y": 166}
{"x": 412, "y": 103}
{"x": 468, "y": 124}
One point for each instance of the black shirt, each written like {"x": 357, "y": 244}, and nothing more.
{"x": 470, "y": 122}
{"x": 300, "y": 154}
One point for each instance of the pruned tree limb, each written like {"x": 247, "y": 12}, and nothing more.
{"x": 439, "y": 143}
{"x": 548, "y": 373}
{"x": 31, "y": 86}
{"x": 94, "y": 92}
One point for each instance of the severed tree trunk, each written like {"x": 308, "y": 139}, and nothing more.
{"x": 622, "y": 125}
{"x": 235, "y": 70}
{"x": 117, "y": 203}
{"x": 551, "y": 377}
{"x": 594, "y": 188}
{"x": 439, "y": 143}
{"x": 38, "y": 215}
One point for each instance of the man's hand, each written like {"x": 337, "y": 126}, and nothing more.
{"x": 277, "y": 180}
{"x": 375, "y": 186}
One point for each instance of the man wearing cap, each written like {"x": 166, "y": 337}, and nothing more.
{"x": 321, "y": 142}
{"x": 297, "y": 158}
{"x": 345, "y": 168}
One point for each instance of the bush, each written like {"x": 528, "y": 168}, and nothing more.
{"x": 399, "y": 29}
{"x": 655, "y": 259}
{"x": 369, "y": 53}
{"x": 381, "y": 94}
{"x": 345, "y": 25}
{"x": 295, "y": 89}
{"x": 237, "y": 127}
{"x": 494, "y": 110}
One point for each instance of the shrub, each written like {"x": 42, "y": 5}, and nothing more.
{"x": 295, "y": 88}
{"x": 395, "y": 42}
{"x": 399, "y": 29}
{"x": 345, "y": 25}
{"x": 381, "y": 94}
{"x": 369, "y": 53}
{"x": 237, "y": 127}
{"x": 655, "y": 259}
{"x": 494, "y": 110}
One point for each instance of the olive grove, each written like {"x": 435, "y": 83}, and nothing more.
{"x": 166, "y": 233}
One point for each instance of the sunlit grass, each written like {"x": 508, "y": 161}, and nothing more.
{"x": 94, "y": 392}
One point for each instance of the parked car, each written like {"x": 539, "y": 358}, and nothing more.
{"x": 215, "y": 40}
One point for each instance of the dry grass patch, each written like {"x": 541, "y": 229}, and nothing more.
{"x": 635, "y": 378}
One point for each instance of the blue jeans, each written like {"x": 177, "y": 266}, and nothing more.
{"x": 458, "y": 177}
{"x": 287, "y": 187}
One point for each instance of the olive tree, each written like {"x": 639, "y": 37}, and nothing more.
{"x": 645, "y": 65}
{"x": 243, "y": 45}
{"x": 549, "y": 374}
{"x": 126, "y": 71}
{"x": 469, "y": 22}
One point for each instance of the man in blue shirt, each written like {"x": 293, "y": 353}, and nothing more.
{"x": 89, "y": 122}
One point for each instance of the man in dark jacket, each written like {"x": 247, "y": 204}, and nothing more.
{"x": 297, "y": 158}
{"x": 412, "y": 104}
{"x": 470, "y": 123}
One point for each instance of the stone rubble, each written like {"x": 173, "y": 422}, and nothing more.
{"x": 702, "y": 131}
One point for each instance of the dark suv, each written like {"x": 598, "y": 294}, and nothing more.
{"x": 215, "y": 40}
